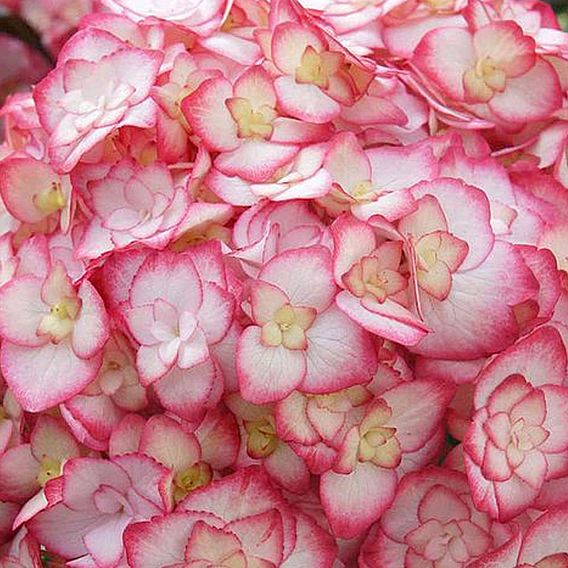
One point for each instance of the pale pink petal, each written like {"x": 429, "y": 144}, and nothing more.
{"x": 168, "y": 276}
{"x": 42, "y": 377}
{"x": 288, "y": 469}
{"x": 105, "y": 541}
{"x": 208, "y": 115}
{"x": 389, "y": 319}
{"x": 340, "y": 353}
{"x": 269, "y": 524}
{"x": 19, "y": 470}
{"x": 164, "y": 440}
{"x": 266, "y": 300}
{"x": 530, "y": 97}
{"x": 304, "y": 275}
{"x": 444, "y": 55}
{"x": 555, "y": 422}
{"x": 347, "y": 162}
{"x": 51, "y": 439}
{"x": 306, "y": 102}
{"x": 255, "y": 160}
{"x": 186, "y": 392}
{"x": 267, "y": 373}
{"x": 91, "y": 329}
{"x": 158, "y": 543}
{"x": 353, "y": 240}
{"x": 417, "y": 410}
{"x": 545, "y": 537}
{"x": 21, "y": 311}
{"x": 349, "y": 505}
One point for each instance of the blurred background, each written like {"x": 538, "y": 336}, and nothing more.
{"x": 561, "y": 8}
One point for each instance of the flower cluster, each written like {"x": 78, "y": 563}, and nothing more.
{"x": 285, "y": 285}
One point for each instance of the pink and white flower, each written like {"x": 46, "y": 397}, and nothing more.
{"x": 454, "y": 249}
{"x": 53, "y": 335}
{"x": 260, "y": 444}
{"x": 495, "y": 72}
{"x": 194, "y": 452}
{"x": 100, "y": 84}
{"x": 299, "y": 339}
{"x": 243, "y": 123}
{"x": 33, "y": 193}
{"x": 132, "y": 204}
{"x": 397, "y": 432}
{"x": 518, "y": 435}
{"x": 179, "y": 307}
{"x": 375, "y": 181}
{"x": 433, "y": 522}
{"x": 267, "y": 229}
{"x": 220, "y": 525}
{"x": 96, "y": 500}
{"x": 541, "y": 546}
{"x": 375, "y": 284}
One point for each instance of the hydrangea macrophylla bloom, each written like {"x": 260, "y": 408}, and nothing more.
{"x": 372, "y": 452}
{"x": 452, "y": 254}
{"x": 33, "y": 193}
{"x": 93, "y": 413}
{"x": 26, "y": 468}
{"x": 220, "y": 525}
{"x": 497, "y": 75}
{"x": 299, "y": 338}
{"x": 184, "y": 77}
{"x": 312, "y": 77}
{"x": 99, "y": 85}
{"x": 96, "y": 500}
{"x": 432, "y": 522}
{"x": 375, "y": 287}
{"x": 267, "y": 229}
{"x": 375, "y": 181}
{"x": 242, "y": 122}
{"x": 519, "y": 432}
{"x": 133, "y": 204}
{"x": 193, "y": 452}
{"x": 543, "y": 545}
{"x": 171, "y": 311}
{"x": 53, "y": 335}
{"x": 179, "y": 308}
{"x": 302, "y": 177}
{"x": 261, "y": 444}
{"x": 264, "y": 262}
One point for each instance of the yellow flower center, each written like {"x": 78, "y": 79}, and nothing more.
{"x": 251, "y": 123}
{"x": 49, "y": 469}
{"x": 377, "y": 441}
{"x": 484, "y": 79}
{"x": 288, "y": 327}
{"x": 60, "y": 321}
{"x": 317, "y": 68}
{"x": 262, "y": 439}
{"x": 51, "y": 200}
{"x": 192, "y": 478}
